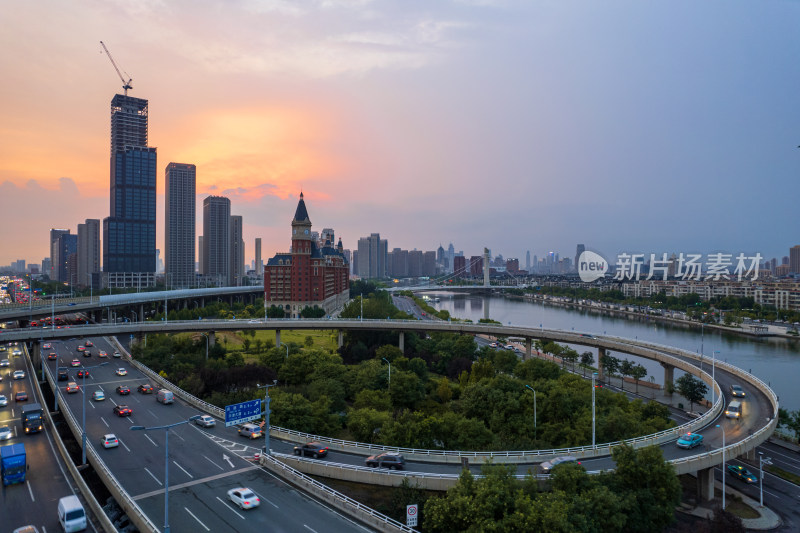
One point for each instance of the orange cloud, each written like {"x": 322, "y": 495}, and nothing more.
{"x": 253, "y": 152}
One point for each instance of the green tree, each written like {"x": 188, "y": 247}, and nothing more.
{"x": 406, "y": 390}
{"x": 637, "y": 373}
{"x": 691, "y": 388}
{"x": 587, "y": 360}
{"x": 625, "y": 369}
{"x": 365, "y": 424}
{"x": 648, "y": 486}
{"x": 610, "y": 365}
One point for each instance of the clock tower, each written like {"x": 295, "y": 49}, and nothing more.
{"x": 301, "y": 253}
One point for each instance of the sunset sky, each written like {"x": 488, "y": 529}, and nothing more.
{"x": 649, "y": 126}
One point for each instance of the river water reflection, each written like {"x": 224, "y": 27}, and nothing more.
{"x": 776, "y": 361}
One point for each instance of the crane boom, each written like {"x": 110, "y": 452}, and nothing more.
{"x": 125, "y": 84}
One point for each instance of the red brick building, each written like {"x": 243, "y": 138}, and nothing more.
{"x": 311, "y": 274}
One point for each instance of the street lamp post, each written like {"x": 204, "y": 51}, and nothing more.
{"x": 267, "y": 449}
{"x": 83, "y": 422}
{"x": 594, "y": 376}
{"x": 713, "y": 381}
{"x": 534, "y": 410}
{"x": 390, "y": 371}
{"x": 723, "y": 466}
{"x": 166, "y": 461}
{"x": 761, "y": 462}
{"x": 287, "y": 350}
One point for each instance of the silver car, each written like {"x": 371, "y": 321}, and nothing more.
{"x": 547, "y": 466}
{"x": 5, "y": 433}
{"x": 206, "y": 421}
{"x": 3, "y": 400}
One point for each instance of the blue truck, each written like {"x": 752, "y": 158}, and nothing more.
{"x": 13, "y": 464}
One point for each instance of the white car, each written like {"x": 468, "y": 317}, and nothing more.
{"x": 244, "y": 498}
{"x": 117, "y": 354}
{"x": 122, "y": 372}
{"x": 206, "y": 421}
{"x": 46, "y": 347}
{"x": 5, "y": 362}
{"x": 109, "y": 441}
{"x": 19, "y": 374}
{"x": 3, "y": 400}
{"x": 5, "y": 433}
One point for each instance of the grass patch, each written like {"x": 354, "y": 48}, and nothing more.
{"x": 783, "y": 474}
{"x": 741, "y": 509}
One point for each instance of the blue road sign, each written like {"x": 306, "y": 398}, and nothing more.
{"x": 239, "y": 413}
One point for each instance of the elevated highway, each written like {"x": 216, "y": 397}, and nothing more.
{"x": 741, "y": 437}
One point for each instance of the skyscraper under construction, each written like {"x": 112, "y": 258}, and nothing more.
{"x": 129, "y": 232}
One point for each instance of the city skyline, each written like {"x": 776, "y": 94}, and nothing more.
{"x": 591, "y": 124}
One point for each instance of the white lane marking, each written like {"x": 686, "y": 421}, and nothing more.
{"x": 308, "y": 528}
{"x": 184, "y": 470}
{"x": 227, "y": 460}
{"x": 154, "y": 415}
{"x": 152, "y": 476}
{"x": 260, "y": 497}
{"x": 198, "y": 520}
{"x": 123, "y": 444}
{"x": 92, "y": 404}
{"x": 213, "y": 463}
{"x": 112, "y": 401}
{"x": 104, "y": 422}
{"x": 787, "y": 457}
{"x": 226, "y": 504}
{"x": 178, "y": 435}
{"x": 101, "y": 388}
{"x": 15, "y": 432}
{"x": 30, "y": 490}
{"x": 771, "y": 494}
{"x": 130, "y": 419}
{"x": 151, "y": 440}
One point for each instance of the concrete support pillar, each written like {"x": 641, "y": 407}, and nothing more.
{"x": 212, "y": 338}
{"x": 705, "y": 484}
{"x": 669, "y": 372}
{"x": 486, "y": 268}
{"x": 35, "y": 351}
{"x": 402, "y": 342}
{"x": 601, "y": 352}
{"x": 141, "y": 312}
{"x": 277, "y": 338}
{"x": 528, "y": 344}
{"x": 340, "y": 338}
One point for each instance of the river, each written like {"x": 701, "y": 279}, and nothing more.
{"x": 774, "y": 360}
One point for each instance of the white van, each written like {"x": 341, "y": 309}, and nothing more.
{"x": 71, "y": 515}
{"x": 734, "y": 409}
{"x": 164, "y": 396}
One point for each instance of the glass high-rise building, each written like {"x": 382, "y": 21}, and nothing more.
{"x": 216, "y": 239}
{"x": 129, "y": 233}
{"x": 179, "y": 225}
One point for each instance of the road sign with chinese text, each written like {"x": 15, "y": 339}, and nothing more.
{"x": 239, "y": 413}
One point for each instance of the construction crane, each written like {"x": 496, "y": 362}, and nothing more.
{"x": 125, "y": 84}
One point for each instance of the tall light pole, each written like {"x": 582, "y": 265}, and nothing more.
{"x": 390, "y": 372}
{"x": 267, "y": 449}
{"x": 166, "y": 460}
{"x": 534, "y": 410}
{"x": 761, "y": 462}
{"x": 594, "y": 376}
{"x": 287, "y": 351}
{"x": 723, "y": 466}
{"x": 713, "y": 367}
{"x": 83, "y": 422}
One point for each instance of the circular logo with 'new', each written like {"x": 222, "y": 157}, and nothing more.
{"x": 591, "y": 266}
